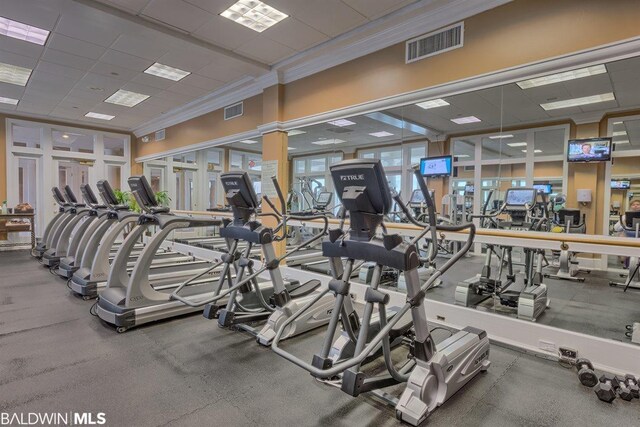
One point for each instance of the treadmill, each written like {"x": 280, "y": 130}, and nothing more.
{"x": 132, "y": 300}
{"x": 97, "y": 258}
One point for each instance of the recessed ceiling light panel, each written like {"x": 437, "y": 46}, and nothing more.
{"x": 20, "y": 31}
{"x": 10, "y": 101}
{"x": 342, "y": 122}
{"x": 93, "y": 115}
{"x": 249, "y": 141}
{"x": 535, "y": 151}
{"x": 254, "y": 14}
{"x": 563, "y": 77}
{"x": 126, "y": 98}
{"x": 576, "y": 102}
{"x": 329, "y": 142}
{"x": 465, "y": 120}
{"x": 517, "y": 144}
{"x": 434, "y": 103}
{"x": 500, "y": 136}
{"x": 167, "y": 72}
{"x": 622, "y": 141}
{"x": 381, "y": 134}
{"x": 14, "y": 75}
{"x": 295, "y": 132}
{"x": 620, "y": 133}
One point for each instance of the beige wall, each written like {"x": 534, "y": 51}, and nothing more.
{"x": 520, "y": 32}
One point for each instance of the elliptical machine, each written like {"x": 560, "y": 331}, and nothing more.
{"x": 531, "y": 300}
{"x": 631, "y": 226}
{"x": 64, "y": 211}
{"x": 433, "y": 373}
{"x": 246, "y": 300}
{"x": 570, "y": 221}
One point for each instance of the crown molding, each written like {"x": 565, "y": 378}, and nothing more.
{"x": 311, "y": 63}
{"x": 200, "y": 145}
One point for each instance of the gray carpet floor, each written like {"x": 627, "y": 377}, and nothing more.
{"x": 56, "y": 357}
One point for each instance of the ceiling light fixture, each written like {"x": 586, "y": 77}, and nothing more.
{"x": 341, "y": 122}
{"x": 65, "y": 136}
{"x": 465, "y": 120}
{"x": 517, "y": 144}
{"x": 624, "y": 141}
{"x": 329, "y": 141}
{"x": 576, "y": 102}
{"x": 20, "y": 31}
{"x": 434, "y": 103}
{"x": 249, "y": 141}
{"x": 167, "y": 72}
{"x": 295, "y": 132}
{"x": 617, "y": 123}
{"x": 126, "y": 98}
{"x": 460, "y": 156}
{"x": 381, "y": 134}
{"x": 535, "y": 151}
{"x": 563, "y": 77}
{"x": 10, "y": 101}
{"x": 254, "y": 14}
{"x": 14, "y": 75}
{"x": 500, "y": 136}
{"x": 291, "y": 148}
{"x": 620, "y": 133}
{"x": 93, "y": 115}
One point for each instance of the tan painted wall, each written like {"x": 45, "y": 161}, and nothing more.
{"x": 204, "y": 128}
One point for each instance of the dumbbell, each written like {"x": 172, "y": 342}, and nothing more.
{"x": 586, "y": 374}
{"x": 632, "y": 384}
{"x": 623, "y": 390}
{"x": 606, "y": 388}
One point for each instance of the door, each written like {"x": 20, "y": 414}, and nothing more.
{"x": 74, "y": 173}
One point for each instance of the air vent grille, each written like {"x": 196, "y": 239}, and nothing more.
{"x": 160, "y": 135}
{"x": 232, "y": 111}
{"x": 435, "y": 43}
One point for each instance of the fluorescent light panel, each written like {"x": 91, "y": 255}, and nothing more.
{"x": 295, "y": 132}
{"x": 465, "y": 120}
{"x": 535, "y": 151}
{"x": 254, "y": 14}
{"x": 20, "y": 31}
{"x": 434, "y": 103}
{"x": 501, "y": 136}
{"x": 249, "y": 141}
{"x": 460, "y": 155}
{"x": 617, "y": 123}
{"x": 329, "y": 141}
{"x": 14, "y": 75}
{"x": 291, "y": 148}
{"x": 99, "y": 116}
{"x": 623, "y": 141}
{"x": 563, "y": 77}
{"x": 576, "y": 102}
{"x": 8, "y": 100}
{"x": 167, "y": 72}
{"x": 517, "y": 144}
{"x": 126, "y": 98}
{"x": 381, "y": 134}
{"x": 620, "y": 133}
{"x": 341, "y": 122}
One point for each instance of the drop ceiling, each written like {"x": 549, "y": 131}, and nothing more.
{"x": 98, "y": 47}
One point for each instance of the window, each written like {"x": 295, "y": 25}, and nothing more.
{"x": 28, "y": 137}
{"x": 27, "y": 181}
{"x": 114, "y": 175}
{"x": 76, "y": 142}
{"x": 317, "y": 165}
{"x": 391, "y": 158}
{"x": 113, "y": 146}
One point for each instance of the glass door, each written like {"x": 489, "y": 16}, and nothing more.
{"x": 74, "y": 173}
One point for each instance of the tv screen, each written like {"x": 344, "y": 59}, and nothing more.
{"x": 521, "y": 196}
{"x": 589, "y": 150}
{"x": 435, "y": 166}
{"x": 621, "y": 184}
{"x": 545, "y": 188}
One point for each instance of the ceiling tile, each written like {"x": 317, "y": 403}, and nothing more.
{"x": 213, "y": 6}
{"x": 11, "y": 91}
{"x": 134, "y": 6}
{"x": 75, "y": 46}
{"x": 87, "y": 30}
{"x": 125, "y": 60}
{"x": 67, "y": 59}
{"x": 18, "y": 60}
{"x": 200, "y": 82}
{"x": 190, "y": 59}
{"x": 331, "y": 17}
{"x": 140, "y": 46}
{"x": 140, "y": 88}
{"x": 265, "y": 50}
{"x": 151, "y": 80}
{"x": 377, "y": 8}
{"x": 227, "y": 74}
{"x": 38, "y": 13}
{"x": 225, "y": 33}
{"x": 34, "y": 108}
{"x": 295, "y": 34}
{"x": 176, "y": 98}
{"x": 108, "y": 85}
{"x": 177, "y": 13}
{"x": 52, "y": 68}
{"x": 21, "y": 47}
{"x": 113, "y": 71}
{"x": 187, "y": 90}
